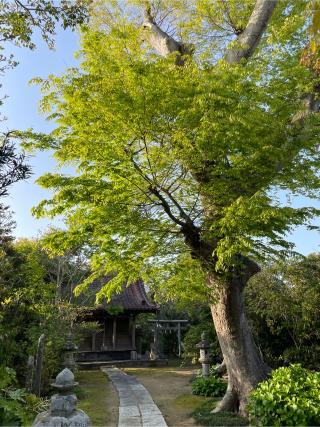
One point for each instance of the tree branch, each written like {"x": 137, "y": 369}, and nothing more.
{"x": 166, "y": 206}
{"x": 248, "y": 40}
{"x": 162, "y": 42}
{"x": 182, "y": 212}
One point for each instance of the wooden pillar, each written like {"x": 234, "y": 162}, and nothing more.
{"x": 38, "y": 367}
{"x": 114, "y": 333}
{"x": 133, "y": 332}
{"x": 179, "y": 339}
{"x": 155, "y": 339}
{"x": 104, "y": 335}
{"x": 93, "y": 341}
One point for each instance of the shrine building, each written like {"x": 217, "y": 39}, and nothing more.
{"x": 116, "y": 338}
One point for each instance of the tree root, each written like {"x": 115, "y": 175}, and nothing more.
{"x": 230, "y": 403}
{"x": 221, "y": 369}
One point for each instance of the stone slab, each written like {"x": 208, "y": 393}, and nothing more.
{"x": 136, "y": 406}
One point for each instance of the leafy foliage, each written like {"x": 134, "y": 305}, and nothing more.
{"x": 19, "y": 19}
{"x": 29, "y": 285}
{"x": 289, "y": 398}
{"x": 209, "y": 387}
{"x": 168, "y": 154}
{"x": 12, "y": 165}
{"x": 192, "y": 338}
{"x": 17, "y": 407}
{"x": 12, "y": 169}
{"x": 282, "y": 305}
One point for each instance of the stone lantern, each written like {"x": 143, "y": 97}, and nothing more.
{"x": 63, "y": 411}
{"x": 204, "y": 359}
{"x": 69, "y": 348}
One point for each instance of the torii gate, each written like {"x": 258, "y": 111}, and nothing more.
{"x": 165, "y": 325}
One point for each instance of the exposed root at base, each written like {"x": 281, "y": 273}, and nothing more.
{"x": 229, "y": 403}
{"x": 221, "y": 369}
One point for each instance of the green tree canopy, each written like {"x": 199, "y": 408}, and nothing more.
{"x": 156, "y": 145}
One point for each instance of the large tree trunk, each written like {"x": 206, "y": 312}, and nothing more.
{"x": 245, "y": 366}
{"x": 244, "y": 362}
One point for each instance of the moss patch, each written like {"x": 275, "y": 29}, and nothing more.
{"x": 203, "y": 416}
{"x": 161, "y": 372}
{"x": 190, "y": 402}
{"x": 97, "y": 398}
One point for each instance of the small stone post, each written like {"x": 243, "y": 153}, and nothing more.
{"x": 63, "y": 411}
{"x": 154, "y": 347}
{"x": 69, "y": 348}
{"x": 29, "y": 374}
{"x": 204, "y": 359}
{"x": 38, "y": 366}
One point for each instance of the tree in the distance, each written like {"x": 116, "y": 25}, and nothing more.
{"x": 283, "y": 307}
{"x": 12, "y": 169}
{"x": 184, "y": 122}
{"x": 20, "y": 19}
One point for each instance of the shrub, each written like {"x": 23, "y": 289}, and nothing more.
{"x": 209, "y": 387}
{"x": 307, "y": 356}
{"x": 289, "y": 398}
{"x": 17, "y": 407}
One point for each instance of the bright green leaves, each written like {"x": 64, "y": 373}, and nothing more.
{"x": 256, "y": 225}
{"x": 289, "y": 398}
{"x": 155, "y": 145}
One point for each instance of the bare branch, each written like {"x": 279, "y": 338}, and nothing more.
{"x": 166, "y": 206}
{"x": 182, "y": 212}
{"x": 162, "y": 42}
{"x": 248, "y": 39}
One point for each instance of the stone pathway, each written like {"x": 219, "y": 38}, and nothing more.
{"x": 136, "y": 406}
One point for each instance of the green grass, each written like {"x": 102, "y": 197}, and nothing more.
{"x": 203, "y": 416}
{"x": 93, "y": 396}
{"x": 189, "y": 401}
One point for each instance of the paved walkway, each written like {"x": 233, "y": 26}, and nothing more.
{"x": 136, "y": 407}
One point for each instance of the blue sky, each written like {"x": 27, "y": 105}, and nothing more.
{"x": 21, "y": 108}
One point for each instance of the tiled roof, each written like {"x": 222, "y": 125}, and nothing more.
{"x": 132, "y": 297}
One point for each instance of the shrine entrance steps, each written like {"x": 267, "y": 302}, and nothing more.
{"x": 99, "y": 364}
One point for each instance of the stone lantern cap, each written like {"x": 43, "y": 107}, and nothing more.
{"x": 69, "y": 345}
{"x": 204, "y": 343}
{"x": 64, "y": 381}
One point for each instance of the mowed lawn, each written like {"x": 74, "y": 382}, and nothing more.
{"x": 98, "y": 398}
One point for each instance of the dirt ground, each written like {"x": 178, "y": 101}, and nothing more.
{"x": 170, "y": 388}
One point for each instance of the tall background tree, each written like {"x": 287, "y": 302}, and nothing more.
{"x": 34, "y": 300}
{"x": 184, "y": 121}
{"x": 283, "y": 307}
{"x": 12, "y": 169}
